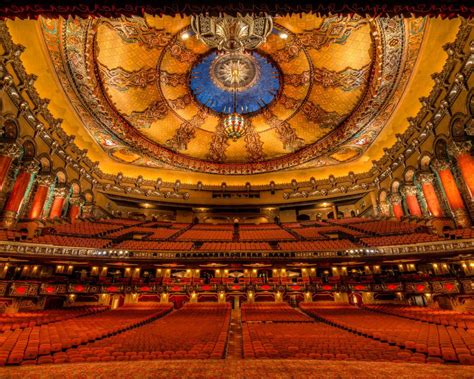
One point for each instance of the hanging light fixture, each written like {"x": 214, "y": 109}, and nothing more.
{"x": 234, "y": 126}
{"x": 234, "y": 123}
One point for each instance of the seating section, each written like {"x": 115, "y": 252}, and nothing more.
{"x": 85, "y": 228}
{"x": 205, "y": 235}
{"x": 313, "y": 340}
{"x": 152, "y": 233}
{"x": 23, "y": 320}
{"x": 330, "y": 235}
{"x": 265, "y": 235}
{"x": 463, "y": 320}
{"x": 273, "y": 312}
{"x": 435, "y": 343}
{"x": 229, "y": 246}
{"x": 336, "y": 244}
{"x": 384, "y": 227}
{"x": 153, "y": 245}
{"x": 401, "y": 239}
{"x": 196, "y": 331}
{"x": 35, "y": 344}
{"x": 59, "y": 240}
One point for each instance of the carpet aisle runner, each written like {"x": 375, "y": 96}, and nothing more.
{"x": 234, "y": 344}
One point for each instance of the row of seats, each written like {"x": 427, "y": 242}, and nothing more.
{"x": 439, "y": 342}
{"x": 60, "y": 240}
{"x": 401, "y": 239}
{"x": 153, "y": 245}
{"x": 154, "y": 233}
{"x": 30, "y": 343}
{"x": 384, "y": 227}
{"x": 86, "y": 228}
{"x": 229, "y": 246}
{"x": 21, "y": 320}
{"x": 464, "y": 320}
{"x": 265, "y": 235}
{"x": 336, "y": 244}
{"x": 196, "y": 331}
{"x": 206, "y": 235}
{"x": 317, "y": 341}
{"x": 272, "y": 312}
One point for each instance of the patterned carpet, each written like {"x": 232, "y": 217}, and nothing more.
{"x": 239, "y": 369}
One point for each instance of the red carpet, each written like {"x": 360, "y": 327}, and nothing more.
{"x": 239, "y": 369}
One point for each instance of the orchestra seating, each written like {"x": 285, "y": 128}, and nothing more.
{"x": 35, "y": 344}
{"x": 21, "y": 320}
{"x": 463, "y": 320}
{"x": 196, "y": 331}
{"x": 385, "y": 227}
{"x": 274, "y": 312}
{"x": 437, "y": 343}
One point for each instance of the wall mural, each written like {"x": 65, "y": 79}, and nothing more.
{"x": 313, "y": 93}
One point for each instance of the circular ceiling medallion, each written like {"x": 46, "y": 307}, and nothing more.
{"x": 234, "y": 72}
{"x": 252, "y": 76}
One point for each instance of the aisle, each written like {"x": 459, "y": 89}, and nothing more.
{"x": 234, "y": 344}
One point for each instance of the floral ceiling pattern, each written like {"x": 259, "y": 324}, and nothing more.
{"x": 320, "y": 95}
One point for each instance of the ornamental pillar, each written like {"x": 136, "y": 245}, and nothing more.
{"x": 88, "y": 210}
{"x": 74, "y": 211}
{"x": 20, "y": 192}
{"x": 41, "y": 194}
{"x": 397, "y": 207}
{"x": 411, "y": 199}
{"x": 384, "y": 207}
{"x": 452, "y": 194}
{"x": 8, "y": 153}
{"x": 465, "y": 163}
{"x": 59, "y": 196}
{"x": 429, "y": 192}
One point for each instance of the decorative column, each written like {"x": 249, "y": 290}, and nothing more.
{"x": 397, "y": 207}
{"x": 60, "y": 194}
{"x": 41, "y": 194}
{"x": 465, "y": 163}
{"x": 75, "y": 204}
{"x": 8, "y": 153}
{"x": 411, "y": 199}
{"x": 384, "y": 207}
{"x": 429, "y": 192}
{"x": 88, "y": 210}
{"x": 451, "y": 191}
{"x": 20, "y": 192}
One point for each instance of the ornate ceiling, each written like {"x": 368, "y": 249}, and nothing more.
{"x": 145, "y": 100}
{"x": 317, "y": 97}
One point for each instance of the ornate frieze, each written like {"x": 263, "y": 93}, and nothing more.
{"x": 123, "y": 80}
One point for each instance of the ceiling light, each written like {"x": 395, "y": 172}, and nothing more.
{"x": 185, "y": 36}
{"x": 283, "y": 35}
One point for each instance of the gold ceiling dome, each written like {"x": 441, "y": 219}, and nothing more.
{"x": 314, "y": 91}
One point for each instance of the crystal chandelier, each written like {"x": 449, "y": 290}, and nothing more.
{"x": 234, "y": 126}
